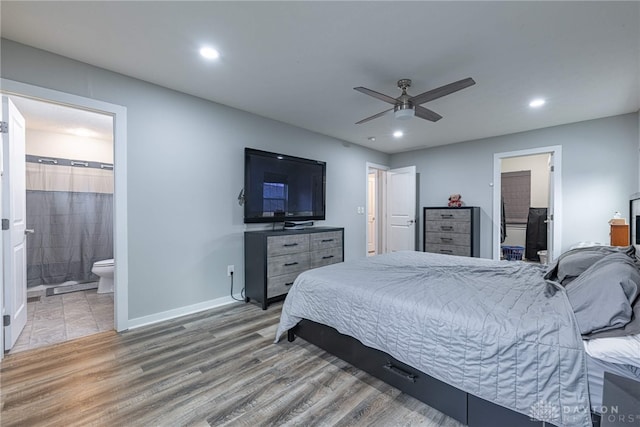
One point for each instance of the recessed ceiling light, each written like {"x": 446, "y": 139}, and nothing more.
{"x": 398, "y": 134}
{"x": 539, "y": 102}
{"x": 372, "y": 138}
{"x": 209, "y": 53}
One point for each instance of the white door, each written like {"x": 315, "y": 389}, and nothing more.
{"x": 13, "y": 213}
{"x": 550, "y": 218}
{"x": 2, "y": 130}
{"x": 372, "y": 236}
{"x": 401, "y": 209}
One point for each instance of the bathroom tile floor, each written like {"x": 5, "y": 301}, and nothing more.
{"x": 59, "y": 318}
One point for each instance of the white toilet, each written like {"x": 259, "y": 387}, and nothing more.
{"x": 104, "y": 270}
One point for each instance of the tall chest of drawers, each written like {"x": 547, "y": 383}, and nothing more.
{"x": 273, "y": 259}
{"x": 452, "y": 231}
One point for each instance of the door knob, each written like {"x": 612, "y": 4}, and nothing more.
{"x": 29, "y": 231}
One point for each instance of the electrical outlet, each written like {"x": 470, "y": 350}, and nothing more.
{"x": 230, "y": 269}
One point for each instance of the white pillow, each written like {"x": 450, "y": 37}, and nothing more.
{"x": 624, "y": 350}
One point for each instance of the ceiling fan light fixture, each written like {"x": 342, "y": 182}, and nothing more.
{"x": 406, "y": 106}
{"x": 404, "y": 113}
{"x": 398, "y": 134}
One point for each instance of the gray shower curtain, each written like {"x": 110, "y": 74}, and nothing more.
{"x": 71, "y": 210}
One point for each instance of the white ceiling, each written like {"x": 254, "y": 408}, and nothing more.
{"x": 62, "y": 119}
{"x": 298, "y": 62}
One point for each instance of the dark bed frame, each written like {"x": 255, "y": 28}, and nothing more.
{"x": 464, "y": 407}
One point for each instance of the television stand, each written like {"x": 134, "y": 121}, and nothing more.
{"x": 273, "y": 259}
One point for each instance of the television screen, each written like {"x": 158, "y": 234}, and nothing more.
{"x": 281, "y": 188}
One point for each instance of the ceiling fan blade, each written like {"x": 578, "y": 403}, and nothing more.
{"x": 425, "y": 113}
{"x": 378, "y": 95}
{"x": 375, "y": 116}
{"x": 441, "y": 91}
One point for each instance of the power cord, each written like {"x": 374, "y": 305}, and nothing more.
{"x": 241, "y": 292}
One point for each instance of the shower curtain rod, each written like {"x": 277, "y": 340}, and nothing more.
{"x": 67, "y": 162}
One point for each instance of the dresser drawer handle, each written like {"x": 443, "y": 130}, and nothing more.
{"x": 446, "y": 216}
{"x": 289, "y": 264}
{"x": 327, "y": 240}
{"x": 446, "y": 227}
{"x": 446, "y": 251}
{"x": 400, "y": 372}
{"x": 288, "y": 245}
{"x": 327, "y": 257}
{"x": 288, "y": 284}
{"x": 446, "y": 239}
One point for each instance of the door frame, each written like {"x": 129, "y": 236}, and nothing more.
{"x": 381, "y": 225}
{"x": 120, "y": 221}
{"x": 556, "y": 152}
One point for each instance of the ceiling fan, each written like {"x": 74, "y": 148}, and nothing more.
{"x": 406, "y": 106}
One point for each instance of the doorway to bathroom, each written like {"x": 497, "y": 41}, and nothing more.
{"x": 69, "y": 192}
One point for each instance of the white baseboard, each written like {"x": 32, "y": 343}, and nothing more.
{"x": 182, "y": 311}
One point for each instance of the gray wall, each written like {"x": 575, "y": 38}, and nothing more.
{"x": 185, "y": 170}
{"x": 599, "y": 173}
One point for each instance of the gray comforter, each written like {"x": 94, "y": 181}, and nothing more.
{"x": 486, "y": 327}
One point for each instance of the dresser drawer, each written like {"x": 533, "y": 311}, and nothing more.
{"x": 460, "y": 227}
{"x": 280, "y": 285}
{"x": 284, "y": 264}
{"x": 452, "y": 231}
{"x": 448, "y": 215}
{"x": 289, "y": 244}
{"x": 447, "y": 249}
{"x": 330, "y": 239}
{"x": 273, "y": 259}
{"x": 326, "y": 257}
{"x": 449, "y": 239}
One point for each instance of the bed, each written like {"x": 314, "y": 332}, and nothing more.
{"x": 487, "y": 342}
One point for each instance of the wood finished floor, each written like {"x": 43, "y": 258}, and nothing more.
{"x": 214, "y": 368}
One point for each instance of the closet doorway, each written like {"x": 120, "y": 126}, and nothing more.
{"x": 527, "y": 197}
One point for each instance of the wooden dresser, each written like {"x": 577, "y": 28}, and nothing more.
{"x": 273, "y": 259}
{"x": 452, "y": 231}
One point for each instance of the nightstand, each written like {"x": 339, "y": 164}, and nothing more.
{"x": 620, "y": 235}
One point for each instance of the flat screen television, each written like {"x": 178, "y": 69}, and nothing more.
{"x": 281, "y": 188}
